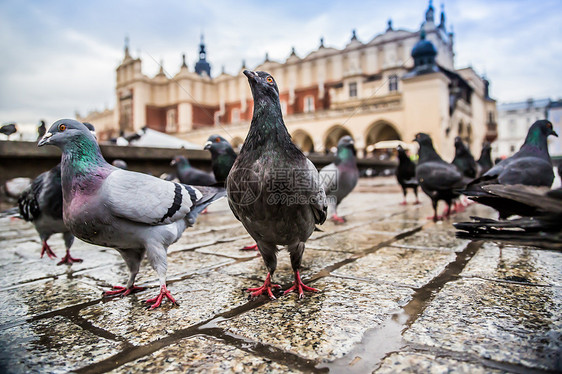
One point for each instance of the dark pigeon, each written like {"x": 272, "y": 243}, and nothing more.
{"x": 41, "y": 204}
{"x": 485, "y": 163}
{"x": 273, "y": 189}
{"x": 8, "y": 129}
{"x": 135, "y": 213}
{"x": 222, "y": 157}
{"x": 41, "y": 129}
{"x": 406, "y": 174}
{"x": 340, "y": 177}
{"x": 437, "y": 178}
{"x": 464, "y": 160}
{"x": 187, "y": 174}
{"x": 539, "y": 220}
{"x": 530, "y": 166}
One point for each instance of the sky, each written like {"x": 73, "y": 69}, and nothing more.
{"x": 59, "y": 57}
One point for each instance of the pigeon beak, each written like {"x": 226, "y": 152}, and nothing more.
{"x": 554, "y": 133}
{"x": 45, "y": 139}
{"x": 208, "y": 144}
{"x": 173, "y": 163}
{"x": 250, "y": 74}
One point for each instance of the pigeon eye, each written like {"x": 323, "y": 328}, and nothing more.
{"x": 217, "y": 140}
{"x": 62, "y": 127}
{"x": 269, "y": 79}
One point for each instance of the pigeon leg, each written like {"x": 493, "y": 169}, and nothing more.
{"x": 132, "y": 260}
{"x": 296, "y": 259}
{"x": 123, "y": 291}
{"x": 68, "y": 259}
{"x": 269, "y": 256}
{"x": 265, "y": 289}
{"x": 404, "y": 202}
{"x": 417, "y": 199}
{"x": 46, "y": 249}
{"x": 253, "y": 247}
{"x": 435, "y": 217}
{"x": 157, "y": 257}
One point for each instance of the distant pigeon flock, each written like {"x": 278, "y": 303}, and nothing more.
{"x": 273, "y": 189}
{"x": 98, "y": 208}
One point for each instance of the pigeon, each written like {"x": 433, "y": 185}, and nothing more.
{"x": 485, "y": 163}
{"x": 135, "y": 213}
{"x": 406, "y": 174}
{"x": 530, "y": 166}
{"x": 464, "y": 160}
{"x": 41, "y": 204}
{"x": 273, "y": 189}
{"x": 340, "y": 177}
{"x": 41, "y": 129}
{"x": 121, "y": 164}
{"x": 539, "y": 222}
{"x": 8, "y": 129}
{"x": 222, "y": 156}
{"x": 187, "y": 174}
{"x": 437, "y": 178}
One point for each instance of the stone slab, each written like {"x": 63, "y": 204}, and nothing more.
{"x": 324, "y": 325}
{"x": 202, "y": 354}
{"x": 53, "y": 345}
{"x": 510, "y": 323}
{"x": 403, "y": 266}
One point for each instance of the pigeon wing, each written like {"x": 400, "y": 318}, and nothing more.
{"x": 146, "y": 199}
{"x": 318, "y": 196}
{"x": 439, "y": 176}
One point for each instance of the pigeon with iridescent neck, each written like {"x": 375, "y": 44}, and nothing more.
{"x": 273, "y": 189}
{"x": 530, "y": 166}
{"x": 135, "y": 213}
{"x": 222, "y": 157}
{"x": 189, "y": 175}
{"x": 340, "y": 177}
{"x": 41, "y": 204}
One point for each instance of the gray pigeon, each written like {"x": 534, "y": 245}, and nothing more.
{"x": 132, "y": 212}
{"x": 340, "y": 177}
{"x": 187, "y": 174}
{"x": 41, "y": 204}
{"x": 530, "y": 166}
{"x": 437, "y": 178}
{"x": 273, "y": 189}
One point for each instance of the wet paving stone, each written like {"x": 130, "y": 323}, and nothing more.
{"x": 511, "y": 323}
{"x": 409, "y": 362}
{"x": 200, "y": 354}
{"x": 321, "y": 326}
{"x": 516, "y": 264}
{"x": 53, "y": 345}
{"x": 437, "y": 237}
{"x": 356, "y": 240}
{"x": 43, "y": 297}
{"x": 200, "y": 297}
{"x": 232, "y": 249}
{"x": 403, "y": 266}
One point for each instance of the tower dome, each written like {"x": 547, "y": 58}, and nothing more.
{"x": 424, "y": 51}
{"x": 202, "y": 66}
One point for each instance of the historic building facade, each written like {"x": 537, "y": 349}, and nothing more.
{"x": 391, "y": 87}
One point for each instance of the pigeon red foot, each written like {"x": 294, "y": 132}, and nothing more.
{"x": 46, "y": 249}
{"x": 417, "y": 202}
{"x": 404, "y": 202}
{"x": 265, "y": 289}
{"x": 253, "y": 247}
{"x": 156, "y": 301}
{"x": 123, "y": 291}
{"x": 338, "y": 220}
{"x": 68, "y": 259}
{"x": 299, "y": 286}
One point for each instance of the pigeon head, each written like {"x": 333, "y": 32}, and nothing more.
{"x": 262, "y": 84}
{"x": 346, "y": 148}
{"x": 180, "y": 161}
{"x": 217, "y": 144}
{"x": 538, "y": 132}
{"x": 67, "y": 132}
{"x": 423, "y": 139}
{"x": 458, "y": 142}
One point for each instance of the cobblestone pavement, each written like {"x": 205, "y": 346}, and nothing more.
{"x": 399, "y": 294}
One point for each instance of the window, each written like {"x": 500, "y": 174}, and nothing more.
{"x": 393, "y": 83}
{"x": 235, "y": 115}
{"x": 353, "y": 89}
{"x": 171, "y": 121}
{"x": 309, "y": 104}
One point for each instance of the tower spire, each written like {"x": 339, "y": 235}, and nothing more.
{"x": 429, "y": 13}
{"x": 202, "y": 66}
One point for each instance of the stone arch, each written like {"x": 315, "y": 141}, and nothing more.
{"x": 237, "y": 142}
{"x": 380, "y": 131}
{"x": 303, "y": 140}
{"x": 333, "y": 135}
